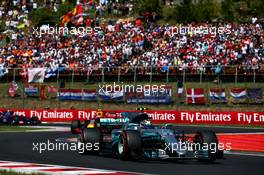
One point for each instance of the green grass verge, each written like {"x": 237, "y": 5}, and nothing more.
{"x": 4, "y": 172}
{"x": 8, "y": 128}
{"x": 52, "y": 102}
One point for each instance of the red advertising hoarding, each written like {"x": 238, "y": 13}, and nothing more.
{"x": 159, "y": 116}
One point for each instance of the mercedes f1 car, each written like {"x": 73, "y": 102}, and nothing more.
{"x": 131, "y": 136}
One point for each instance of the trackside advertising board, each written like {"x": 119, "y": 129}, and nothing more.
{"x": 150, "y": 95}
{"x": 176, "y": 117}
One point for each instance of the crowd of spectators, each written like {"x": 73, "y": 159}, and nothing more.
{"x": 130, "y": 42}
{"x": 119, "y": 8}
{"x": 12, "y": 13}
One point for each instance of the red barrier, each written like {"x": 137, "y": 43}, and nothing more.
{"x": 162, "y": 116}
{"x": 243, "y": 141}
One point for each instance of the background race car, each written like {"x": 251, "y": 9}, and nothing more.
{"x": 9, "y": 117}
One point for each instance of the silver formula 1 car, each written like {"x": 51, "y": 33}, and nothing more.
{"x": 131, "y": 136}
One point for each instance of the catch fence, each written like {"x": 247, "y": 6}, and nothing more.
{"x": 92, "y": 78}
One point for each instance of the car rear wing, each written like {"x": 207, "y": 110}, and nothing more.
{"x": 113, "y": 121}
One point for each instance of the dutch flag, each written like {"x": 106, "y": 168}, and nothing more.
{"x": 217, "y": 95}
{"x": 238, "y": 93}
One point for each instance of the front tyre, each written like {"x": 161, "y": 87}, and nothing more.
{"x": 129, "y": 145}
{"x": 209, "y": 141}
{"x": 75, "y": 126}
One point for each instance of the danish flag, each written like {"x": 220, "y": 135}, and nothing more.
{"x": 195, "y": 96}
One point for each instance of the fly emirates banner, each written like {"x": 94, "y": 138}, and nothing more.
{"x": 160, "y": 116}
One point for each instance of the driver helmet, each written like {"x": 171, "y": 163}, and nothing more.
{"x": 145, "y": 124}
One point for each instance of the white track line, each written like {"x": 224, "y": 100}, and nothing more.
{"x": 44, "y": 168}
{"x": 244, "y": 154}
{"x": 239, "y": 133}
{"x": 47, "y": 128}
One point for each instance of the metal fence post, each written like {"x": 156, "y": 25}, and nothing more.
{"x": 201, "y": 76}
{"x": 58, "y": 75}
{"x": 118, "y": 78}
{"x": 102, "y": 74}
{"x": 167, "y": 76}
{"x": 58, "y": 87}
{"x": 88, "y": 76}
{"x": 150, "y": 76}
{"x": 183, "y": 78}
{"x": 236, "y": 76}
{"x": 14, "y": 74}
{"x": 254, "y": 75}
{"x": 23, "y": 96}
{"x": 135, "y": 74}
{"x": 72, "y": 78}
{"x": 97, "y": 94}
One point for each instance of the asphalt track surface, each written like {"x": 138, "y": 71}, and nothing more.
{"x": 19, "y": 147}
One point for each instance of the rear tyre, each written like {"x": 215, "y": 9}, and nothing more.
{"x": 208, "y": 138}
{"x": 129, "y": 145}
{"x": 35, "y": 121}
{"x": 81, "y": 146}
{"x": 91, "y": 139}
{"x": 75, "y": 126}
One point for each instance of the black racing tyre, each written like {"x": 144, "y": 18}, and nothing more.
{"x": 129, "y": 146}
{"x": 91, "y": 137}
{"x": 81, "y": 145}
{"x": 35, "y": 120}
{"x": 209, "y": 138}
{"x": 15, "y": 121}
{"x": 75, "y": 126}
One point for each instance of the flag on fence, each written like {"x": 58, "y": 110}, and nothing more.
{"x": 150, "y": 95}
{"x": 111, "y": 95}
{"x": 12, "y": 89}
{"x": 217, "y": 95}
{"x": 89, "y": 95}
{"x": 195, "y": 96}
{"x": 238, "y": 95}
{"x": 36, "y": 75}
{"x": 70, "y": 94}
{"x": 255, "y": 95}
{"x": 50, "y": 72}
{"x": 52, "y": 89}
{"x": 77, "y": 94}
{"x": 31, "y": 90}
{"x": 133, "y": 95}
{"x": 179, "y": 89}
{"x": 3, "y": 71}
